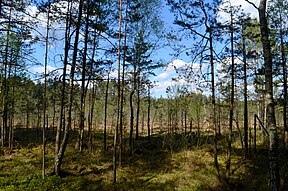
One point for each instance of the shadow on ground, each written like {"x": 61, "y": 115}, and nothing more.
{"x": 153, "y": 165}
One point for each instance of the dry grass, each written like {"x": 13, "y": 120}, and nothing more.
{"x": 166, "y": 162}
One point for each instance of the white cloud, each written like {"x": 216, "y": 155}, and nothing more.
{"x": 163, "y": 75}
{"x": 114, "y": 74}
{"x": 177, "y": 64}
{"x": 245, "y": 6}
{"x": 40, "y": 69}
{"x": 164, "y": 79}
{"x": 170, "y": 71}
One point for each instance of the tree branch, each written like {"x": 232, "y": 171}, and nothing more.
{"x": 253, "y": 4}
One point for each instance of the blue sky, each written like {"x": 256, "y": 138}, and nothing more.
{"x": 163, "y": 76}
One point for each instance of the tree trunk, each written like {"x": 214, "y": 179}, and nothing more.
{"x": 228, "y": 163}
{"x": 90, "y": 119}
{"x": 122, "y": 87}
{"x": 149, "y": 109}
{"x": 38, "y": 120}
{"x": 185, "y": 122}
{"x": 131, "y": 122}
{"x": 45, "y": 94}
{"x": 54, "y": 113}
{"x": 270, "y": 111}
{"x": 219, "y": 118}
{"x": 284, "y": 70}
{"x": 11, "y": 129}
{"x": 118, "y": 96}
{"x": 245, "y": 99}
{"x": 105, "y": 112}
{"x": 216, "y": 165}
{"x": 138, "y": 106}
{"x": 4, "y": 84}
{"x": 27, "y": 116}
{"x": 132, "y": 110}
{"x": 285, "y": 97}
{"x": 63, "y": 146}
{"x": 61, "y": 126}
{"x": 83, "y": 85}
{"x": 0, "y": 7}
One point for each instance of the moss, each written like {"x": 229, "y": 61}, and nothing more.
{"x": 178, "y": 164}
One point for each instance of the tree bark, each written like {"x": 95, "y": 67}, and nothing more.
{"x": 105, "y": 112}
{"x": 245, "y": 98}
{"x": 270, "y": 111}
{"x": 45, "y": 93}
{"x": 132, "y": 109}
{"x": 131, "y": 120}
{"x": 61, "y": 126}
{"x": 63, "y": 146}
{"x": 0, "y": 7}
{"x": 148, "y": 114}
{"x": 122, "y": 86}
{"x": 216, "y": 165}
{"x": 118, "y": 96}
{"x": 138, "y": 104}
{"x": 284, "y": 70}
{"x": 83, "y": 85}
{"x": 231, "y": 112}
{"x": 5, "y": 85}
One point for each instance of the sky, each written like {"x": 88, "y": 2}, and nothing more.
{"x": 164, "y": 76}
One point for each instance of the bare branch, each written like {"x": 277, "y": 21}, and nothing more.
{"x": 253, "y": 4}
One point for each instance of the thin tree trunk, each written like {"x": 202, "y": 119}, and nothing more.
{"x": 11, "y": 131}
{"x": 45, "y": 94}
{"x": 105, "y": 112}
{"x": 185, "y": 122}
{"x": 61, "y": 126}
{"x": 228, "y": 163}
{"x": 54, "y": 114}
{"x": 27, "y": 116}
{"x": 122, "y": 87}
{"x": 38, "y": 121}
{"x": 219, "y": 118}
{"x": 83, "y": 85}
{"x": 216, "y": 165}
{"x": 4, "y": 83}
{"x": 0, "y": 7}
{"x": 245, "y": 99}
{"x": 71, "y": 92}
{"x": 138, "y": 106}
{"x": 132, "y": 109}
{"x": 131, "y": 121}
{"x": 118, "y": 97}
{"x": 149, "y": 109}
{"x": 90, "y": 120}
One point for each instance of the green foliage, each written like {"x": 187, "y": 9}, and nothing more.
{"x": 30, "y": 182}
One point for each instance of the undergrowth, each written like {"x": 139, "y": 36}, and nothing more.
{"x": 163, "y": 162}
